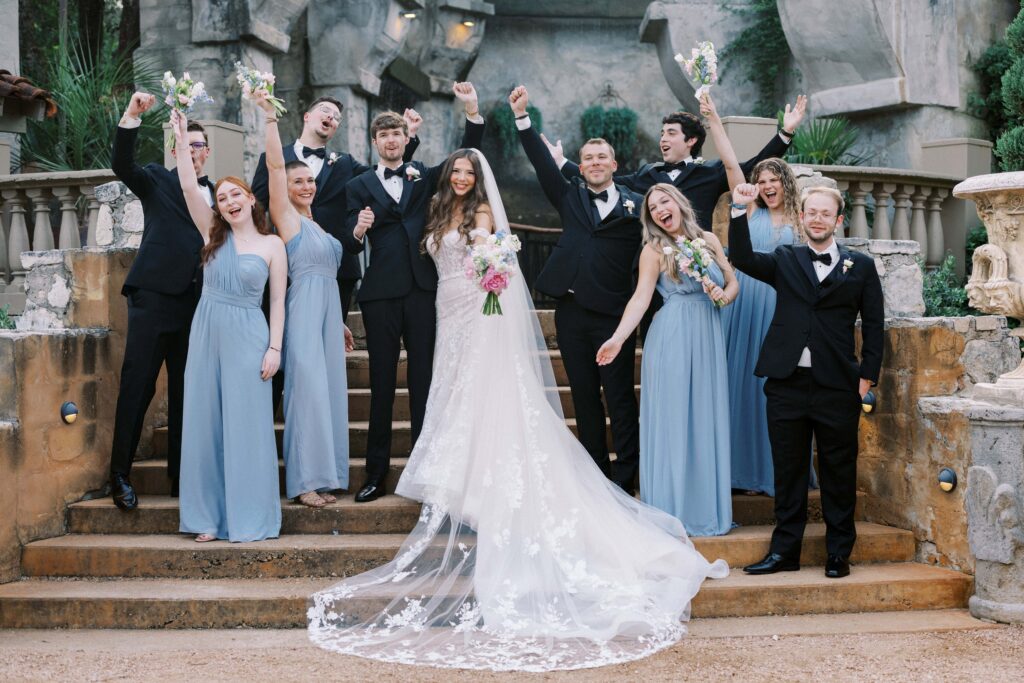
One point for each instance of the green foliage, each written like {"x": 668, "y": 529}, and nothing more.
{"x": 617, "y": 125}
{"x": 975, "y": 238}
{"x": 503, "y": 124}
{"x": 760, "y": 50}
{"x": 987, "y": 104}
{"x": 91, "y": 94}
{"x": 1015, "y": 34}
{"x": 824, "y": 141}
{"x": 1013, "y": 92}
{"x": 944, "y": 293}
{"x": 6, "y": 321}
{"x": 1010, "y": 149}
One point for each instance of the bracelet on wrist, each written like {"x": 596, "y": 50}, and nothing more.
{"x": 523, "y": 116}
{"x": 734, "y": 205}
{"x": 787, "y": 133}
{"x": 271, "y": 119}
{"x": 273, "y": 348}
{"x": 471, "y": 114}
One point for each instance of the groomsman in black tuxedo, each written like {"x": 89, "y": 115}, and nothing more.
{"x": 332, "y": 171}
{"x": 162, "y": 289}
{"x": 682, "y": 138}
{"x": 590, "y": 272}
{"x": 815, "y": 382}
{"x": 387, "y": 207}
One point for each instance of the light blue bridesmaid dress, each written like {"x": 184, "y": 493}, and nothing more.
{"x": 684, "y": 410}
{"x": 315, "y": 384}
{"x": 745, "y": 323}
{"x": 229, "y": 479}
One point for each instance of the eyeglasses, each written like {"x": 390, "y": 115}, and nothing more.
{"x": 330, "y": 112}
{"x": 197, "y": 146}
{"x": 814, "y": 215}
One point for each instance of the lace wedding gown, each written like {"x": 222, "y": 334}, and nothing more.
{"x": 524, "y": 557}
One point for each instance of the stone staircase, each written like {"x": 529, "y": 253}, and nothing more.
{"x": 117, "y": 570}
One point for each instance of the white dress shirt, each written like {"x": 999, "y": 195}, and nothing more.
{"x": 392, "y": 185}
{"x": 822, "y": 271}
{"x": 314, "y": 162}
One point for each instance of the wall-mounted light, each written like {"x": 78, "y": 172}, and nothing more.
{"x": 410, "y": 14}
{"x": 947, "y": 479}
{"x": 68, "y": 412}
{"x": 469, "y": 21}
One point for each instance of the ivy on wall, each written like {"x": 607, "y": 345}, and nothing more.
{"x": 503, "y": 123}
{"x": 760, "y": 52}
{"x": 617, "y": 125}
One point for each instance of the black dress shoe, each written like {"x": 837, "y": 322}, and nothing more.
{"x": 837, "y": 566}
{"x": 122, "y": 492}
{"x": 174, "y": 487}
{"x": 772, "y": 562}
{"x": 371, "y": 491}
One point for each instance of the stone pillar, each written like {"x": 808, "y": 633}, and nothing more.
{"x": 963, "y": 158}
{"x": 5, "y": 156}
{"x": 896, "y": 263}
{"x": 227, "y": 150}
{"x": 748, "y": 135}
{"x": 995, "y": 511}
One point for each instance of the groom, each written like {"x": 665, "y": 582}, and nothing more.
{"x": 590, "y": 273}
{"x": 387, "y": 207}
{"x": 815, "y": 382}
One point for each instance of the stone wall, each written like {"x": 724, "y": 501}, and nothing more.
{"x": 906, "y": 440}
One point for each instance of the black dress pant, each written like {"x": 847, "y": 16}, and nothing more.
{"x": 411, "y": 320}
{"x": 581, "y": 332}
{"x": 158, "y": 329}
{"x": 799, "y": 408}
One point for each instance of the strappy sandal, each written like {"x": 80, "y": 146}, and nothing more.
{"x": 328, "y": 497}
{"x": 312, "y": 499}
{"x": 205, "y": 538}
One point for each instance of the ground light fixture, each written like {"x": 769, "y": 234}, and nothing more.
{"x": 867, "y": 404}
{"x": 947, "y": 479}
{"x": 68, "y": 412}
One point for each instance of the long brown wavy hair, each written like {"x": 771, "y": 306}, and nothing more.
{"x": 446, "y": 203}
{"x": 220, "y": 228}
{"x": 790, "y": 193}
{"x": 658, "y": 238}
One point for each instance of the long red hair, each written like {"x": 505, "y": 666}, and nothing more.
{"x": 220, "y": 228}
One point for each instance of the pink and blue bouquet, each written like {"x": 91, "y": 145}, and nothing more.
{"x": 253, "y": 81}
{"x": 183, "y": 93}
{"x": 693, "y": 259}
{"x": 490, "y": 265}
{"x": 702, "y": 66}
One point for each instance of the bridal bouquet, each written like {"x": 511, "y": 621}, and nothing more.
{"x": 693, "y": 258}
{"x": 252, "y": 81}
{"x": 183, "y": 93}
{"x": 490, "y": 265}
{"x": 702, "y": 66}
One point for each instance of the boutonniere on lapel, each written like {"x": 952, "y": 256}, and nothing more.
{"x": 412, "y": 174}
{"x": 331, "y": 158}
{"x": 847, "y": 264}
{"x": 629, "y": 206}
{"x": 699, "y": 161}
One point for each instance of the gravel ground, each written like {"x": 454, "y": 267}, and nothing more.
{"x": 976, "y": 655}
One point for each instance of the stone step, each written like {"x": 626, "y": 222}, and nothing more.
{"x": 178, "y": 556}
{"x": 158, "y": 514}
{"x": 401, "y": 437}
{"x": 282, "y": 603}
{"x": 358, "y": 365}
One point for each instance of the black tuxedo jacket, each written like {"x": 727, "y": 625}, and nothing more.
{"x": 168, "y": 258}
{"x": 594, "y": 258}
{"x": 329, "y": 208}
{"x": 396, "y": 263}
{"x": 702, "y": 183}
{"x": 819, "y": 316}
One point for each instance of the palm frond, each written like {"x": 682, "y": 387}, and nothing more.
{"x": 825, "y": 141}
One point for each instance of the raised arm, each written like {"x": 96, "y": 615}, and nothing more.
{"x": 741, "y": 251}
{"x": 779, "y": 144}
{"x": 650, "y": 267}
{"x": 202, "y": 214}
{"x": 414, "y": 121}
{"x": 282, "y": 214}
{"x": 733, "y": 173}
{"x": 122, "y": 157}
{"x": 473, "y": 135}
{"x": 551, "y": 181}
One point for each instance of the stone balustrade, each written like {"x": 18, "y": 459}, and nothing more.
{"x": 906, "y": 205}
{"x": 44, "y": 211}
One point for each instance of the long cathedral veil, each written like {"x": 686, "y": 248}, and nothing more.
{"x": 525, "y": 557}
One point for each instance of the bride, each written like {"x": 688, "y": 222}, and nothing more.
{"x": 524, "y": 557}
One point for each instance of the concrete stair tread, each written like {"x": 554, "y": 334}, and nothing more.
{"x": 345, "y": 501}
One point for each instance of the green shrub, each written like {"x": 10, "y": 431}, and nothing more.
{"x": 1013, "y": 92}
{"x": 617, "y": 125}
{"x": 6, "y": 321}
{"x": 944, "y": 293}
{"x": 761, "y": 50}
{"x": 1010, "y": 149}
{"x": 824, "y": 141}
{"x": 503, "y": 125}
{"x": 1015, "y": 34}
{"x": 987, "y": 104}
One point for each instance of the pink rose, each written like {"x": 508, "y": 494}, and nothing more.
{"x": 183, "y": 99}
{"x": 495, "y": 282}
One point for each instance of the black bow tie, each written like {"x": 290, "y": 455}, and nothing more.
{"x": 602, "y": 195}
{"x": 825, "y": 258}
{"x": 678, "y": 166}
{"x": 319, "y": 151}
{"x": 205, "y": 180}
{"x": 392, "y": 172}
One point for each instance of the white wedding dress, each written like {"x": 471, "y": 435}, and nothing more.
{"x": 525, "y": 556}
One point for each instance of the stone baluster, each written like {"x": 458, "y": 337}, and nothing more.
{"x": 844, "y": 187}
{"x": 5, "y": 274}
{"x": 17, "y": 241}
{"x": 936, "y": 233}
{"x": 92, "y": 213}
{"x": 881, "y": 230}
{"x": 901, "y": 217}
{"x": 918, "y": 225}
{"x": 42, "y": 230}
{"x": 858, "y": 216}
{"x": 69, "y": 235}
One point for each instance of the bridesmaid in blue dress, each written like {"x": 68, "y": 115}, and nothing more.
{"x": 229, "y": 481}
{"x": 315, "y": 338}
{"x": 772, "y": 219}
{"x": 684, "y": 396}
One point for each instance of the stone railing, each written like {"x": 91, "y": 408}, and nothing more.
{"x": 906, "y": 205}
{"x": 43, "y": 211}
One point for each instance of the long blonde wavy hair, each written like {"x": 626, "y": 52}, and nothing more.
{"x": 790, "y": 192}
{"x": 658, "y": 238}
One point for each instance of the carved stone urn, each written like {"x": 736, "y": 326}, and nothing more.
{"x": 997, "y": 280}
